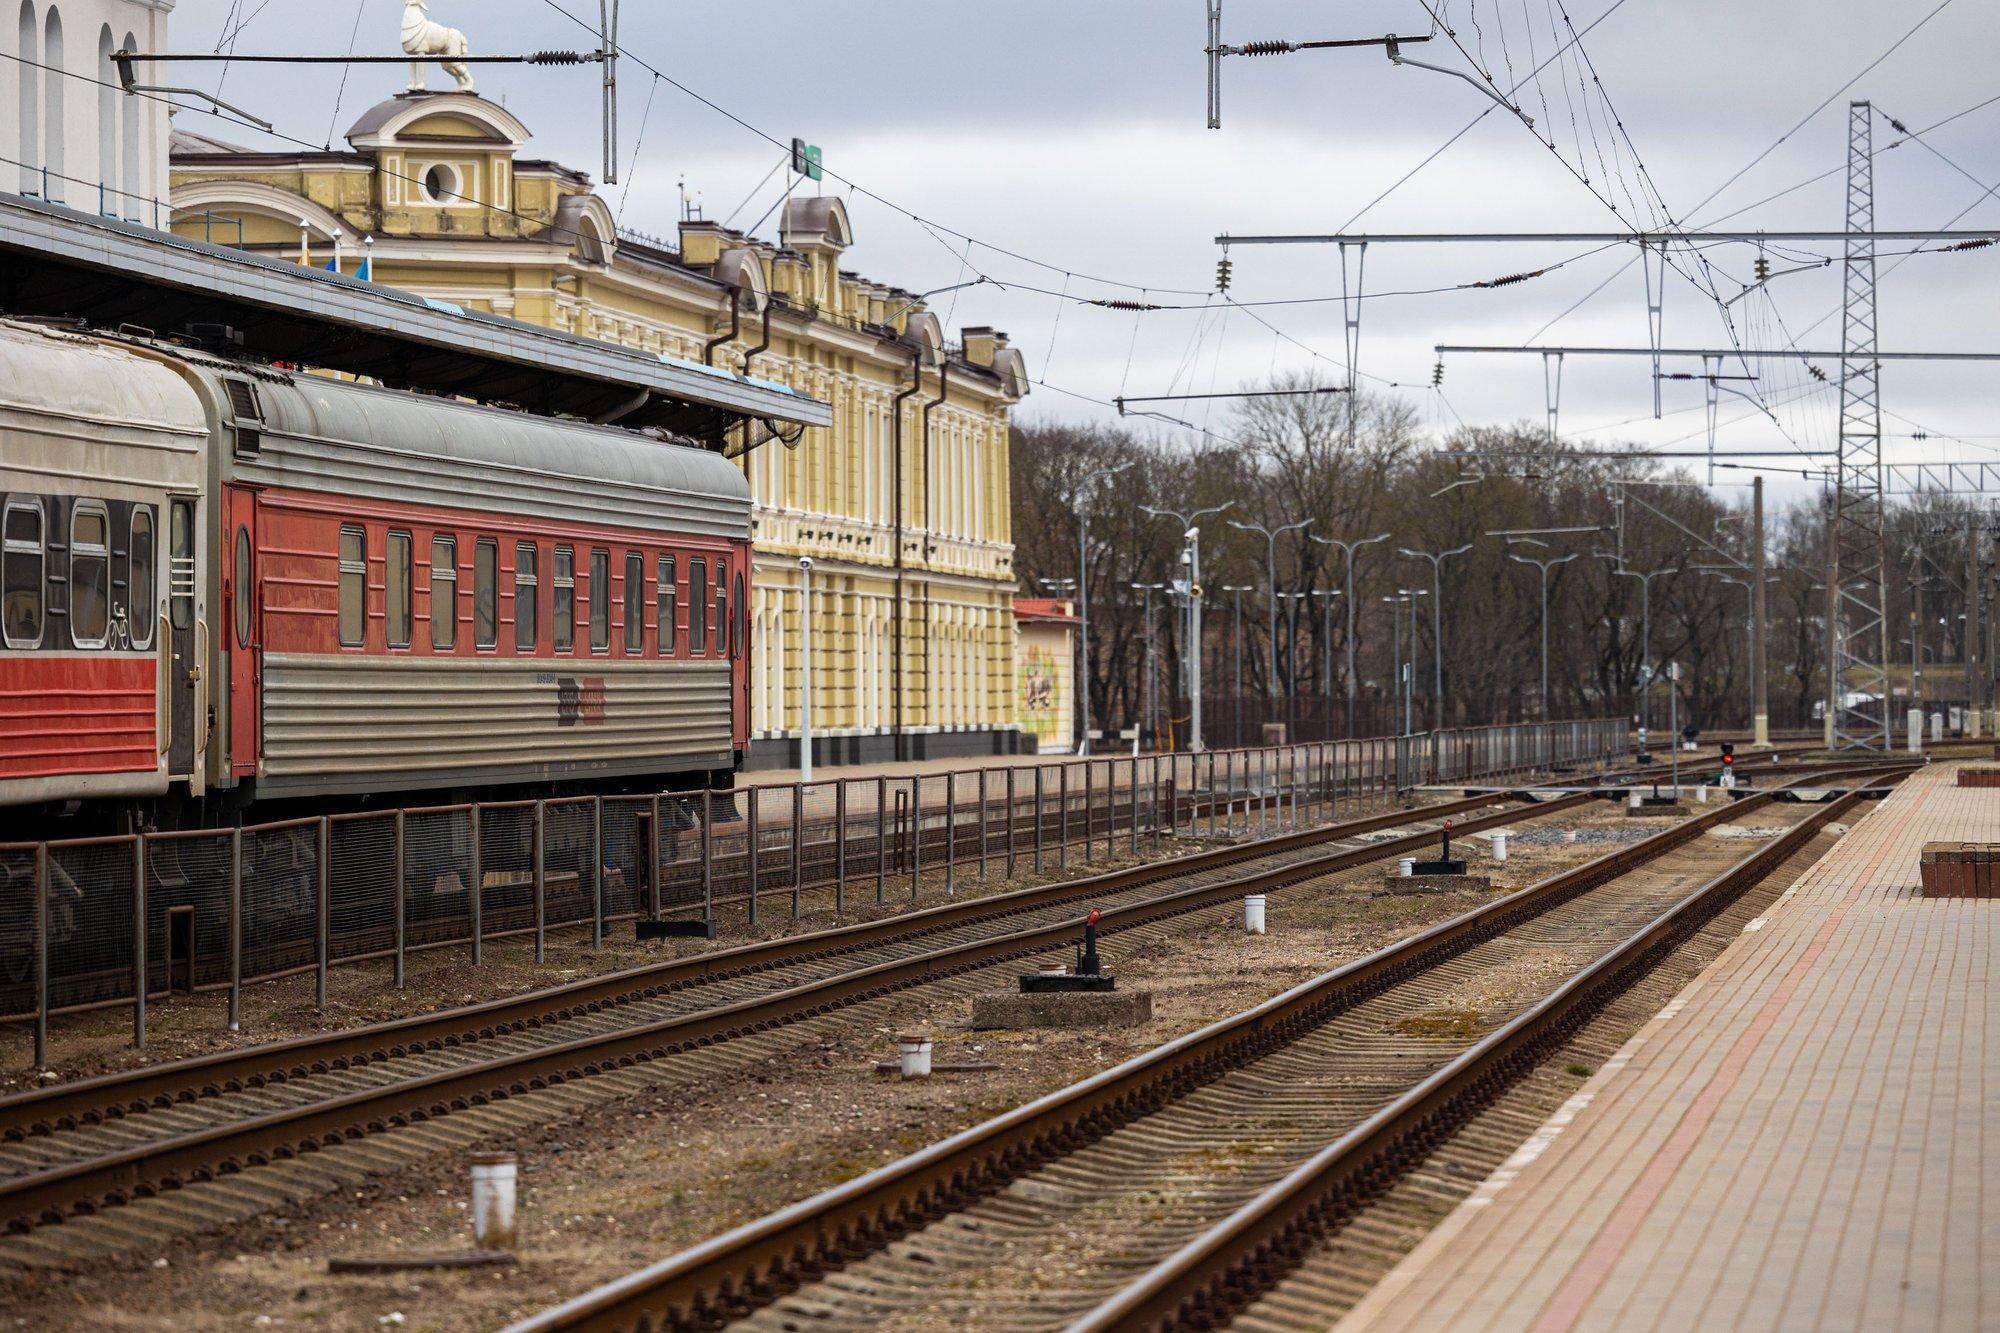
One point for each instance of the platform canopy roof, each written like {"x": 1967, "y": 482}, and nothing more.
{"x": 56, "y": 262}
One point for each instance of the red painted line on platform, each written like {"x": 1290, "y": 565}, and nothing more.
{"x": 1593, "y": 1269}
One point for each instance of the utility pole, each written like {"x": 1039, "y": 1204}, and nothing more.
{"x": 1083, "y": 589}
{"x": 1437, "y": 560}
{"x": 1191, "y": 556}
{"x": 805, "y": 669}
{"x": 1760, "y": 701}
{"x": 1347, "y": 550}
{"x": 1974, "y": 613}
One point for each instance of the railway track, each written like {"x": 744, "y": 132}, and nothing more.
{"x": 1227, "y": 1143}
{"x": 96, "y": 1144}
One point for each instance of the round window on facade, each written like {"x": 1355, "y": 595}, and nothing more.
{"x": 441, "y": 184}
{"x": 242, "y": 589}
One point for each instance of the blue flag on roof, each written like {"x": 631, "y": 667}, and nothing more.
{"x": 332, "y": 265}
{"x": 367, "y": 270}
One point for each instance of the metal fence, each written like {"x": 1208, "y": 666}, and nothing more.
{"x": 211, "y": 909}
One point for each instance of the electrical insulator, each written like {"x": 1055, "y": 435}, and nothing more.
{"x": 1763, "y": 269}
{"x": 1437, "y": 374}
{"x": 1266, "y": 49}
{"x": 1222, "y": 270}
{"x": 1817, "y": 373}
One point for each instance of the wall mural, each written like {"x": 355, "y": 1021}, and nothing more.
{"x": 1041, "y": 693}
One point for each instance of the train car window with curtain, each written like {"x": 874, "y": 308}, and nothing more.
{"x": 697, "y": 606}
{"x": 635, "y": 603}
{"x": 565, "y": 599}
{"x": 600, "y": 601}
{"x": 444, "y": 593}
{"x": 486, "y": 594}
{"x": 353, "y": 586}
{"x": 89, "y": 574}
{"x": 22, "y": 574}
{"x": 142, "y": 616}
{"x": 240, "y": 587}
{"x": 396, "y": 590}
{"x": 721, "y": 611}
{"x": 669, "y": 631}
{"x": 527, "y": 581}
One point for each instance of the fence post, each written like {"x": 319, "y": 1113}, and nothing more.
{"x": 325, "y": 910}
{"x": 1011, "y": 770}
{"x": 951, "y": 834}
{"x": 916, "y": 835}
{"x": 235, "y": 929}
{"x": 840, "y": 846}
{"x": 139, "y": 941}
{"x": 476, "y": 890}
{"x": 985, "y": 813}
{"x": 597, "y": 872}
{"x": 750, "y": 851}
{"x": 42, "y": 955}
{"x": 1039, "y": 785}
{"x": 653, "y": 831}
{"x": 881, "y": 840}
{"x": 401, "y": 894}
{"x": 708, "y": 855}
{"x": 1062, "y": 817}
{"x": 1089, "y": 813}
{"x": 798, "y": 837}
{"x": 539, "y": 837}
{"x": 1133, "y": 841}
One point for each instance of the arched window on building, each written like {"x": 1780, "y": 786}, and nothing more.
{"x": 133, "y": 153}
{"x": 53, "y": 123}
{"x": 107, "y": 120}
{"x": 29, "y": 109}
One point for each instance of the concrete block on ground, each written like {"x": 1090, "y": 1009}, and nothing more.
{"x": 1979, "y": 775}
{"x": 1394, "y": 884}
{"x": 1062, "y": 1009}
{"x": 1643, "y": 811}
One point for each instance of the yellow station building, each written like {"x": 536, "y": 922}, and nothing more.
{"x": 902, "y": 503}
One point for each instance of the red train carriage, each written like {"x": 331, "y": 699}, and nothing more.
{"x": 370, "y": 594}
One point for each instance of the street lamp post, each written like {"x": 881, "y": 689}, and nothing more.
{"x": 1271, "y": 536}
{"x": 1083, "y": 590}
{"x": 1544, "y": 566}
{"x": 1191, "y": 535}
{"x": 1239, "y": 589}
{"x": 1645, "y": 578}
{"x": 1405, "y": 691}
{"x": 1347, "y": 550}
{"x": 1292, "y": 644}
{"x": 1148, "y": 706}
{"x": 1437, "y": 560}
{"x": 1326, "y": 596}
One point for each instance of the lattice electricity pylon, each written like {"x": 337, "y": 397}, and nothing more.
{"x": 1858, "y": 632}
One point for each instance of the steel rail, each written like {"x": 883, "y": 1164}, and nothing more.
{"x": 110, "y": 1179}
{"x": 92, "y": 1100}
{"x": 748, "y": 1265}
{"x": 1218, "y": 1272}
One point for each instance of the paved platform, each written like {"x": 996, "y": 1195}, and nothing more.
{"x": 1806, "y": 1137}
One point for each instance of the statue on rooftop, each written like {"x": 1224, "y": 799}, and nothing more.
{"x": 422, "y": 37}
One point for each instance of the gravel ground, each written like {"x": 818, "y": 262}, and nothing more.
{"x": 628, "y": 1183}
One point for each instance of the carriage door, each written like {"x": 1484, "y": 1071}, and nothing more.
{"x": 242, "y": 625}
{"x": 184, "y": 665}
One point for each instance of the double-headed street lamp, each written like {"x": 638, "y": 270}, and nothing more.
{"x": 1544, "y": 566}
{"x": 1271, "y": 536}
{"x": 1148, "y": 697}
{"x": 1347, "y": 550}
{"x": 1437, "y": 560}
{"x": 1404, "y": 688}
{"x": 1191, "y": 553}
{"x": 1645, "y": 578}
{"x": 1083, "y": 589}
{"x": 1292, "y": 643}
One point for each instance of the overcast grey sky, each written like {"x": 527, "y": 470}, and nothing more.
{"x": 1074, "y": 135}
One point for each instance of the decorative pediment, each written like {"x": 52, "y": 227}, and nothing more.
{"x": 815, "y": 223}
{"x": 460, "y": 118}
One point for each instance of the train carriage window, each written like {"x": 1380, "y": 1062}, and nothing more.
{"x": 396, "y": 590}
{"x": 527, "y": 579}
{"x": 22, "y": 566}
{"x": 600, "y": 601}
{"x": 180, "y": 563}
{"x": 721, "y": 610}
{"x": 486, "y": 594}
{"x": 444, "y": 593}
{"x": 142, "y": 613}
{"x": 635, "y": 603}
{"x": 89, "y": 574}
{"x": 697, "y": 606}
{"x": 669, "y": 631}
{"x": 739, "y": 627}
{"x": 240, "y": 590}
{"x": 353, "y": 586}
{"x": 565, "y": 599}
